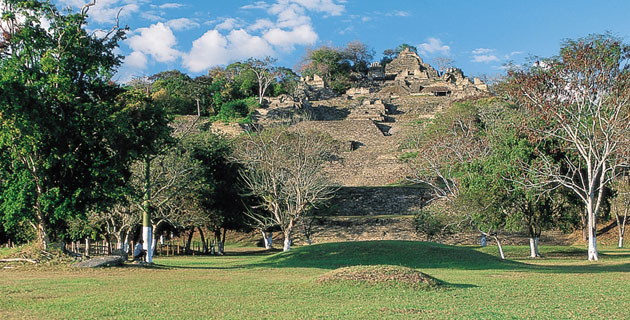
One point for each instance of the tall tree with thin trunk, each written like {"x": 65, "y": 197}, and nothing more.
{"x": 266, "y": 74}
{"x": 620, "y": 205}
{"x": 582, "y": 98}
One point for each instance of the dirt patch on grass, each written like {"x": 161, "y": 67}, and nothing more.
{"x": 381, "y": 274}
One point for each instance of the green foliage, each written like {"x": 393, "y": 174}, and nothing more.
{"x": 63, "y": 137}
{"x": 431, "y": 223}
{"x": 174, "y": 91}
{"x": 330, "y": 64}
{"x": 237, "y": 110}
{"x": 218, "y": 187}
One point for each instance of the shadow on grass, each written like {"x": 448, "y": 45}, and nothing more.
{"x": 413, "y": 254}
{"x": 423, "y": 256}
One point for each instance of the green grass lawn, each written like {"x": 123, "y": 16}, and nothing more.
{"x": 248, "y": 283}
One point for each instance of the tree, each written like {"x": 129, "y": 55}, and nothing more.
{"x": 174, "y": 90}
{"x": 621, "y": 205}
{"x": 330, "y": 64}
{"x": 265, "y": 72}
{"x": 218, "y": 190}
{"x": 284, "y": 170}
{"x": 443, "y": 63}
{"x": 63, "y": 136}
{"x": 404, "y": 46}
{"x": 582, "y": 98}
{"x": 359, "y": 55}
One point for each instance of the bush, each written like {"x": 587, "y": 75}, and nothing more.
{"x": 431, "y": 223}
{"x": 237, "y": 110}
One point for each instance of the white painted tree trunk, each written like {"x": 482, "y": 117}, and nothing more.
{"x": 147, "y": 237}
{"x": 126, "y": 243}
{"x": 532, "y": 248}
{"x": 500, "y": 247}
{"x": 484, "y": 241}
{"x": 270, "y": 240}
{"x": 287, "y": 243}
{"x": 620, "y": 241}
{"x": 592, "y": 235}
{"x": 87, "y": 247}
{"x": 265, "y": 241}
{"x": 536, "y": 246}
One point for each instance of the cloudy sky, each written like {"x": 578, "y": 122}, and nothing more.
{"x": 480, "y": 36}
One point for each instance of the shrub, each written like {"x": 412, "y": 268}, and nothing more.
{"x": 237, "y": 110}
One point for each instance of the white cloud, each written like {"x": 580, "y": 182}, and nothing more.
{"x": 261, "y": 24}
{"x": 485, "y": 58}
{"x": 398, "y": 13}
{"x": 256, "y": 5}
{"x": 479, "y": 51}
{"x": 208, "y": 51}
{"x": 157, "y": 40}
{"x": 214, "y": 49}
{"x": 105, "y": 11}
{"x": 136, "y": 60}
{"x": 182, "y": 24}
{"x": 171, "y": 5}
{"x": 326, "y": 6}
{"x": 242, "y": 45}
{"x": 228, "y": 24}
{"x": 289, "y": 16}
{"x": 302, "y": 35}
{"x": 434, "y": 45}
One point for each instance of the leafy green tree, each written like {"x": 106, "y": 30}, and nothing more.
{"x": 175, "y": 91}
{"x": 64, "y": 138}
{"x": 330, "y": 64}
{"x": 217, "y": 191}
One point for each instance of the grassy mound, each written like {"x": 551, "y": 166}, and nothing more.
{"x": 412, "y": 254}
{"x": 381, "y": 274}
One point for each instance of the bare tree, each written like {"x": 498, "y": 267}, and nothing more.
{"x": 265, "y": 72}
{"x": 443, "y": 63}
{"x": 621, "y": 206}
{"x": 284, "y": 169}
{"x": 582, "y": 98}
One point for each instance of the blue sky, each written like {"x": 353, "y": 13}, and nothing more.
{"x": 480, "y": 36}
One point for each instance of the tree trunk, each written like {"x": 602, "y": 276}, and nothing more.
{"x": 42, "y": 233}
{"x": 621, "y": 223}
{"x": 536, "y": 246}
{"x": 190, "y": 236}
{"x": 153, "y": 246}
{"x": 222, "y": 244}
{"x": 532, "y": 247}
{"x": 484, "y": 240}
{"x": 592, "y": 234}
{"x": 264, "y": 239}
{"x": 203, "y": 240}
{"x": 87, "y": 247}
{"x": 147, "y": 230}
{"x": 496, "y": 238}
{"x": 270, "y": 240}
{"x": 287, "y": 240}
